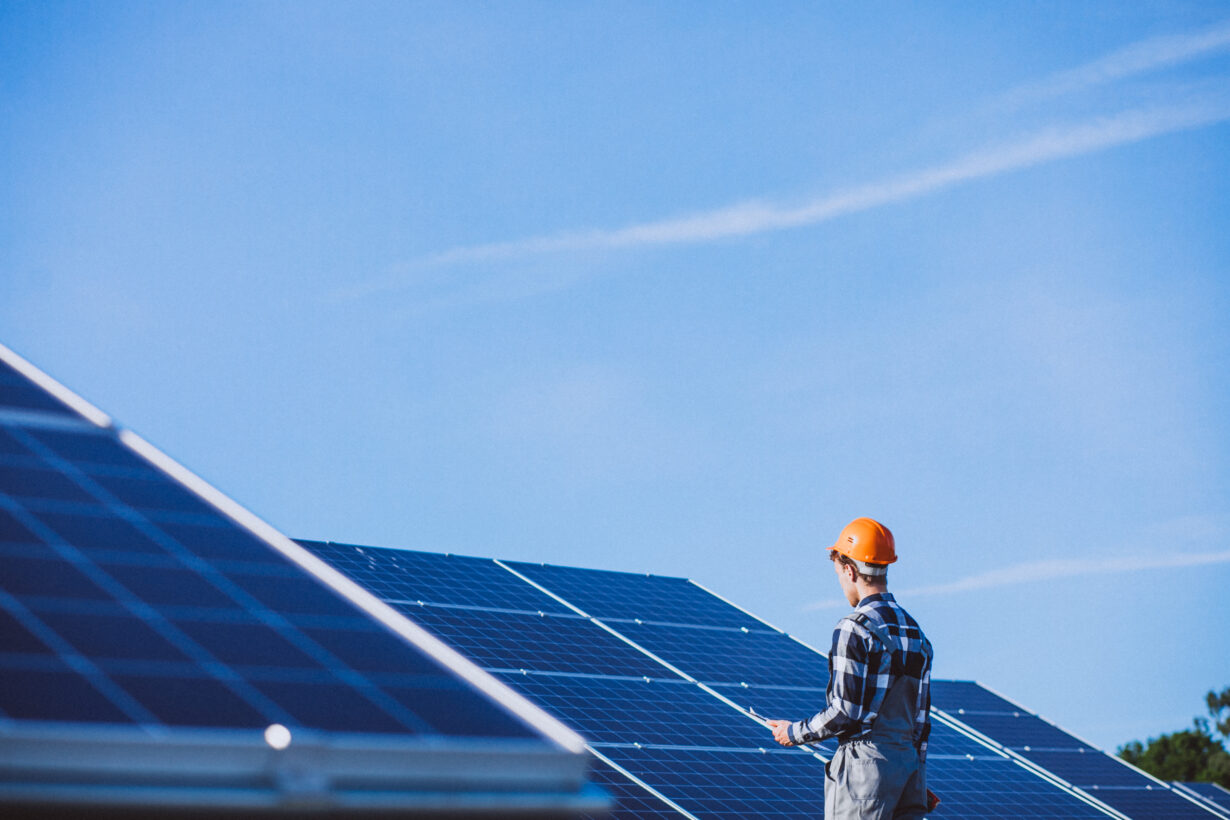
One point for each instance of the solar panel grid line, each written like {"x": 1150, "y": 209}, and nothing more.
{"x": 360, "y": 597}
{"x": 245, "y": 520}
{"x": 495, "y": 610}
{"x": 1089, "y": 790}
{"x": 733, "y": 605}
{"x": 1211, "y": 794}
{"x": 1050, "y": 776}
{"x": 618, "y": 627}
{"x": 641, "y": 783}
{"x": 1024, "y": 711}
{"x": 616, "y": 596}
{"x": 1025, "y": 762}
{"x": 41, "y": 420}
{"x": 1100, "y": 807}
{"x": 760, "y": 720}
{"x": 960, "y": 728}
{"x": 638, "y": 647}
{"x": 122, "y": 699}
{"x": 59, "y": 391}
{"x": 598, "y": 622}
{"x": 578, "y": 616}
{"x": 991, "y": 747}
{"x": 175, "y": 633}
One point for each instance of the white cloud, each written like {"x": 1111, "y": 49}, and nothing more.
{"x": 754, "y": 217}
{"x": 759, "y": 216}
{"x": 1138, "y": 58}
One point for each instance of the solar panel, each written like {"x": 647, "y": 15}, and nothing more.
{"x": 649, "y": 711}
{"x": 410, "y": 577}
{"x": 632, "y": 801}
{"x": 999, "y": 789}
{"x": 129, "y": 599}
{"x": 1212, "y": 793}
{"x": 626, "y": 596}
{"x": 729, "y": 655}
{"x": 689, "y": 738}
{"x": 531, "y": 640}
{"x": 1091, "y": 771}
{"x": 731, "y": 783}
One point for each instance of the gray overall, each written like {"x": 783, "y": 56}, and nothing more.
{"x": 879, "y": 776}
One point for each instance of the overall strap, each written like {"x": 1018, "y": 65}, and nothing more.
{"x": 877, "y": 632}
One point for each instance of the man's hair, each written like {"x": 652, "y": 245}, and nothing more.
{"x": 846, "y": 560}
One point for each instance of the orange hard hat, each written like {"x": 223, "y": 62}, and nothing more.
{"x": 867, "y": 541}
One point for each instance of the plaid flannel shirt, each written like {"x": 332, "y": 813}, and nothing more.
{"x": 860, "y": 675}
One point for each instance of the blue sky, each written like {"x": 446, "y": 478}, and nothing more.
{"x": 674, "y": 288}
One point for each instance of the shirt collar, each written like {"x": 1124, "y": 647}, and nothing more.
{"x": 886, "y": 597}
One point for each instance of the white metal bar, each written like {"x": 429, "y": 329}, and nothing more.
{"x": 13, "y": 359}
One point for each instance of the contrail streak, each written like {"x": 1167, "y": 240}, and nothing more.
{"x": 1049, "y": 570}
{"x": 1138, "y": 58}
{"x": 756, "y": 217}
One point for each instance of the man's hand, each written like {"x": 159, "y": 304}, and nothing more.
{"x": 779, "y": 731}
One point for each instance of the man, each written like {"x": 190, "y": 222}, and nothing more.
{"x": 879, "y": 693}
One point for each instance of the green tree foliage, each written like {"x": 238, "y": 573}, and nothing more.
{"x": 1192, "y": 754}
{"x": 1219, "y": 710}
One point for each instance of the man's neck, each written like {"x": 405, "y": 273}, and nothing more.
{"x": 866, "y": 590}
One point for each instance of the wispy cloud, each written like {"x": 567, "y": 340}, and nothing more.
{"x": 1201, "y": 108}
{"x": 1138, "y": 58}
{"x": 754, "y": 217}
{"x": 1052, "y": 569}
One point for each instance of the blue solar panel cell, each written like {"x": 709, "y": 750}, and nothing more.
{"x": 454, "y": 710}
{"x": 40, "y": 481}
{"x": 192, "y": 701}
{"x": 538, "y": 642}
{"x": 662, "y": 712}
{"x": 19, "y": 393}
{"x": 10, "y": 446}
{"x": 999, "y": 789}
{"x": 730, "y": 783}
{"x": 96, "y": 532}
{"x": 54, "y": 693}
{"x": 632, "y": 801}
{"x": 952, "y": 695}
{"x": 1158, "y": 803}
{"x": 629, "y": 596}
{"x": 151, "y": 630}
{"x": 1020, "y": 731}
{"x": 366, "y": 649}
{"x": 1086, "y": 767}
{"x": 150, "y": 494}
{"x": 119, "y": 636}
{"x": 13, "y": 531}
{"x": 214, "y": 540}
{"x": 732, "y": 655}
{"x": 1210, "y": 792}
{"x": 90, "y": 453}
{"x": 411, "y": 577}
{"x": 288, "y": 593}
{"x": 1048, "y": 746}
{"x": 169, "y": 585}
{"x": 19, "y": 640}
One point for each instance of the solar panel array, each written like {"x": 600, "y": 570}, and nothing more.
{"x": 1022, "y": 733}
{"x": 661, "y": 677}
{"x": 128, "y": 600}
{"x": 1210, "y": 793}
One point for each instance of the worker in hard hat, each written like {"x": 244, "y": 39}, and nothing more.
{"x": 879, "y": 692}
